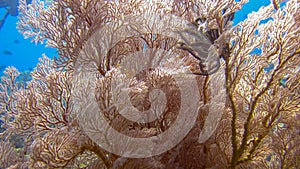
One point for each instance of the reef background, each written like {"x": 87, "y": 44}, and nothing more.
{"x": 259, "y": 125}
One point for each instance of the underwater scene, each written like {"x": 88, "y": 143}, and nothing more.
{"x": 150, "y": 84}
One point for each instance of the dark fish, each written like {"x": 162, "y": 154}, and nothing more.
{"x": 16, "y": 41}
{"x": 7, "y": 52}
{"x": 2, "y": 67}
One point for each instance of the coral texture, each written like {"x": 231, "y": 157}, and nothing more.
{"x": 259, "y": 68}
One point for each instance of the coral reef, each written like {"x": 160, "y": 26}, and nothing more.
{"x": 259, "y": 126}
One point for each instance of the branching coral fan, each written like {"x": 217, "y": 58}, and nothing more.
{"x": 259, "y": 70}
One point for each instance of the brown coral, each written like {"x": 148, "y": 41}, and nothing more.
{"x": 260, "y": 122}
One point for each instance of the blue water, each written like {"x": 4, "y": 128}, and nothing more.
{"x": 21, "y": 53}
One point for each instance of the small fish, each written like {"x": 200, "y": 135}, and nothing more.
{"x": 282, "y": 82}
{"x": 276, "y": 3}
{"x": 2, "y": 67}
{"x": 7, "y": 52}
{"x": 16, "y": 41}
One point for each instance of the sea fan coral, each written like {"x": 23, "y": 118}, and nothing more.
{"x": 255, "y": 94}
